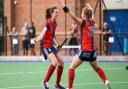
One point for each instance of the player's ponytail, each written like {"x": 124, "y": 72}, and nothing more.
{"x": 48, "y": 13}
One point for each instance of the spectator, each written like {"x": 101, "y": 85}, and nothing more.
{"x": 32, "y": 34}
{"x": 25, "y": 40}
{"x": 14, "y": 35}
{"x": 106, "y": 34}
{"x": 73, "y": 39}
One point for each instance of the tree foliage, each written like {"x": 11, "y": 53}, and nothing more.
{"x": 1, "y": 8}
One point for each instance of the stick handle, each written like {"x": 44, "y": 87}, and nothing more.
{"x": 68, "y": 37}
{"x": 63, "y": 42}
{"x": 63, "y": 4}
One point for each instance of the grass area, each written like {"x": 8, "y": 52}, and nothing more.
{"x": 28, "y": 75}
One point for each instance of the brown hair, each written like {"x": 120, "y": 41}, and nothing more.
{"x": 48, "y": 13}
{"x": 87, "y": 12}
{"x": 52, "y": 9}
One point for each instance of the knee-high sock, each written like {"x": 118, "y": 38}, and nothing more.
{"x": 49, "y": 73}
{"x": 59, "y": 74}
{"x": 71, "y": 75}
{"x": 101, "y": 74}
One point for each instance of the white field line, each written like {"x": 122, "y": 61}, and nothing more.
{"x": 19, "y": 73}
{"x": 78, "y": 84}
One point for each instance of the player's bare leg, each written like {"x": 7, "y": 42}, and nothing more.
{"x": 71, "y": 73}
{"x": 51, "y": 69}
{"x": 101, "y": 73}
{"x": 59, "y": 71}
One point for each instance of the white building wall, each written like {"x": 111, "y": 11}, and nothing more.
{"x": 116, "y": 4}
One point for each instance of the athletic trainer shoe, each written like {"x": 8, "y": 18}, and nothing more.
{"x": 44, "y": 85}
{"x": 107, "y": 83}
{"x": 58, "y": 86}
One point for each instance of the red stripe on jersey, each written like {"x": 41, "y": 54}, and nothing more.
{"x": 87, "y": 32}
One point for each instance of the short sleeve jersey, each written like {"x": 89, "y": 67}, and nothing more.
{"x": 48, "y": 37}
{"x": 87, "y": 35}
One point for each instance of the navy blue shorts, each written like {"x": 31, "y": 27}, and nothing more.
{"x": 46, "y": 51}
{"x": 87, "y": 55}
{"x": 25, "y": 44}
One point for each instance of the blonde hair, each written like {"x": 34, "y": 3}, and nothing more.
{"x": 87, "y": 12}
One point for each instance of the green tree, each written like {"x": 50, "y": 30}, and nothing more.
{"x": 1, "y": 37}
{"x": 1, "y": 8}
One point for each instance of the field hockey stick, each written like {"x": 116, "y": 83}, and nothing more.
{"x": 62, "y": 2}
{"x": 64, "y": 41}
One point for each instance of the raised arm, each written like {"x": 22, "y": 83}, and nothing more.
{"x": 76, "y": 19}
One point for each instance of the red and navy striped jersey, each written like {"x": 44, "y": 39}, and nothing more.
{"x": 87, "y": 35}
{"x": 48, "y": 37}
